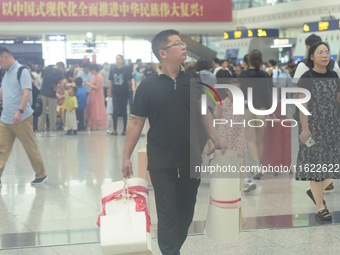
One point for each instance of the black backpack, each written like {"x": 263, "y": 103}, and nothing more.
{"x": 36, "y": 97}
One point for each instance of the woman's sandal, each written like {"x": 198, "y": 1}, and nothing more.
{"x": 310, "y": 194}
{"x": 324, "y": 215}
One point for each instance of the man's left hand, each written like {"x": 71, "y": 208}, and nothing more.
{"x": 17, "y": 118}
{"x": 219, "y": 145}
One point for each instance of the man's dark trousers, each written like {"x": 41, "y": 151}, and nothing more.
{"x": 175, "y": 194}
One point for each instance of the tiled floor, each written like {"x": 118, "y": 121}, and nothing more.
{"x": 61, "y": 213}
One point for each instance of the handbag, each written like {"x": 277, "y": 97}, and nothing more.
{"x": 125, "y": 221}
{"x": 124, "y": 234}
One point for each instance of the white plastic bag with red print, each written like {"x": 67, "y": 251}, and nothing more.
{"x": 125, "y": 221}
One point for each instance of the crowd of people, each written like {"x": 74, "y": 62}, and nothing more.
{"x": 117, "y": 83}
{"x": 94, "y": 87}
{"x": 94, "y": 97}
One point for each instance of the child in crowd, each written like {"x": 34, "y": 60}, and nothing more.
{"x": 70, "y": 105}
{"x": 233, "y": 136}
{"x": 60, "y": 91}
{"x": 109, "y": 111}
{"x": 82, "y": 103}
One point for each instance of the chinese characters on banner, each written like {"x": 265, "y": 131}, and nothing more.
{"x": 119, "y": 10}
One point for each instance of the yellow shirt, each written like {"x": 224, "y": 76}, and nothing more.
{"x": 70, "y": 102}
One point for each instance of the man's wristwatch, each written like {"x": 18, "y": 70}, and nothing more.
{"x": 21, "y": 111}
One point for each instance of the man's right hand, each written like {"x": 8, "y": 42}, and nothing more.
{"x": 127, "y": 168}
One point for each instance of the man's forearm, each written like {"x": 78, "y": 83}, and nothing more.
{"x": 132, "y": 136}
{"x": 25, "y": 98}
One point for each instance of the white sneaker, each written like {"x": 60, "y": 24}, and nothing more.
{"x": 40, "y": 134}
{"x": 52, "y": 134}
{"x": 249, "y": 186}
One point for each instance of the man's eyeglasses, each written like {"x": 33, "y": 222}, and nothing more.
{"x": 321, "y": 52}
{"x": 177, "y": 44}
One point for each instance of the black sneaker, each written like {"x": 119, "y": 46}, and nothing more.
{"x": 39, "y": 180}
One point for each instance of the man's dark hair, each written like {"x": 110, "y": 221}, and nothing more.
{"x": 61, "y": 64}
{"x": 272, "y": 62}
{"x": 160, "y": 41}
{"x": 4, "y": 49}
{"x": 78, "y": 81}
{"x": 313, "y": 38}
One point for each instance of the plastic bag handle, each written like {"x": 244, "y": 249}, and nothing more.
{"x": 125, "y": 191}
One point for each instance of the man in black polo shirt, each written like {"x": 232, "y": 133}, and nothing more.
{"x": 170, "y": 103}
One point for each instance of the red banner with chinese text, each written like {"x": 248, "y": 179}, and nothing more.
{"x": 119, "y": 10}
